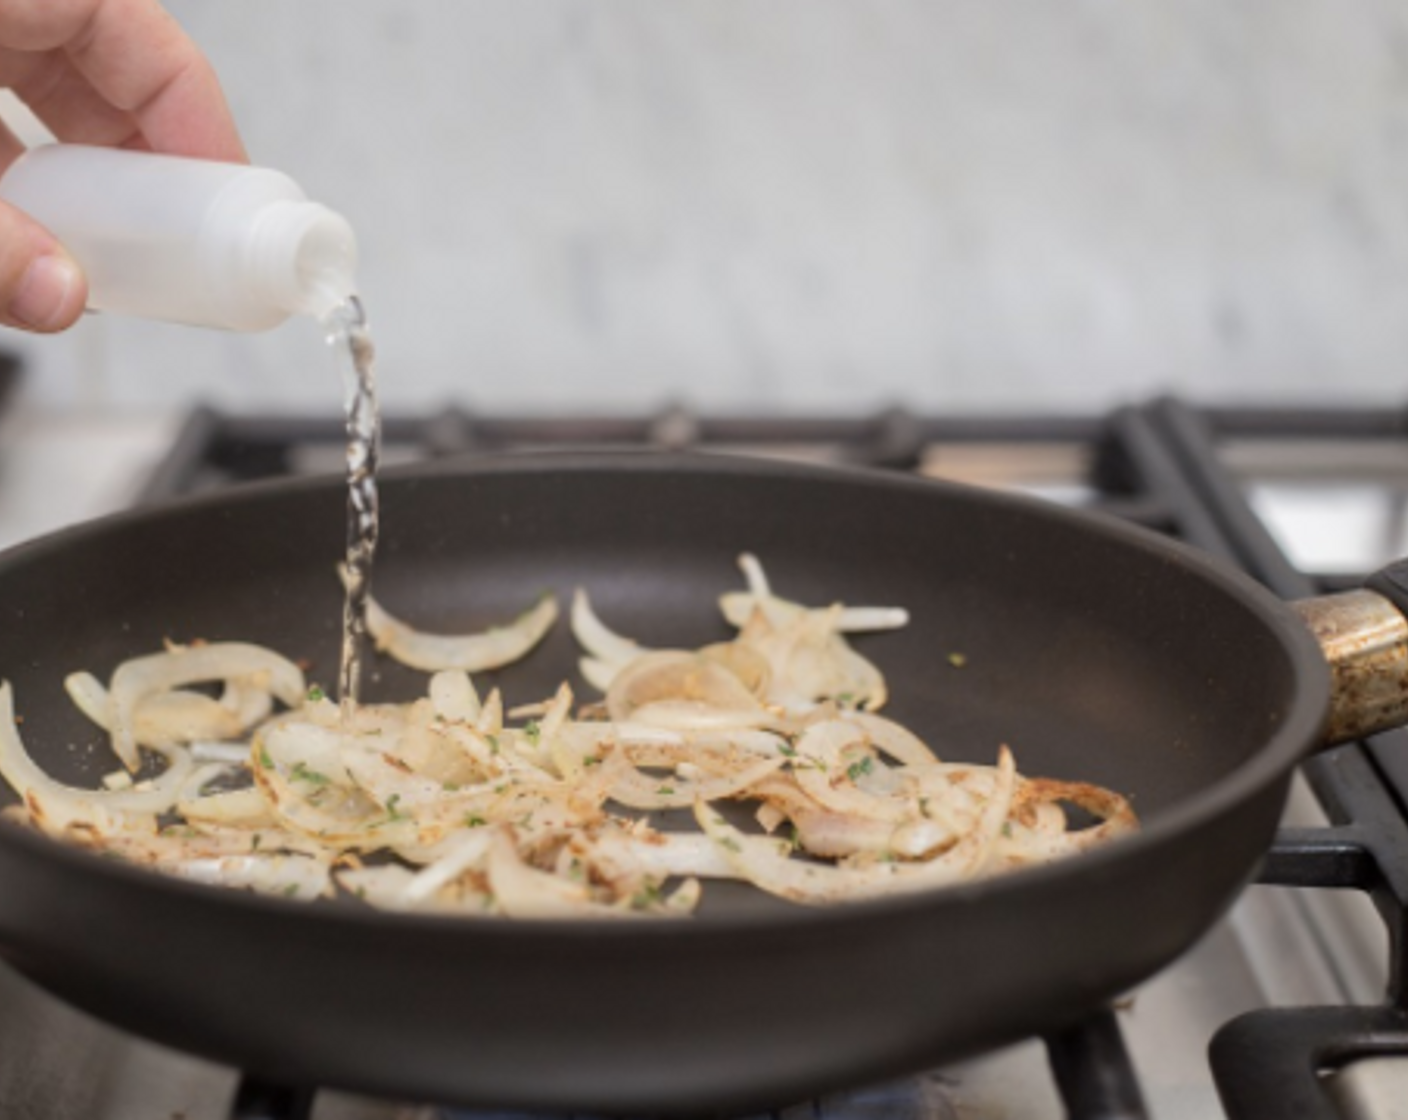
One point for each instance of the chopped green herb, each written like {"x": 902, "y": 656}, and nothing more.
{"x": 301, "y": 773}
{"x": 591, "y": 760}
{"x": 858, "y": 769}
{"x": 449, "y": 787}
{"x": 574, "y": 870}
{"x": 1007, "y": 829}
{"x": 316, "y": 693}
{"x": 493, "y": 741}
{"x": 731, "y": 844}
{"x": 392, "y": 813}
{"x": 264, "y": 759}
{"x": 787, "y": 750}
{"x": 255, "y": 841}
{"x": 473, "y": 820}
{"x": 533, "y": 731}
{"x": 666, "y": 791}
{"x": 845, "y": 698}
{"x": 647, "y": 896}
{"x": 290, "y": 890}
{"x": 958, "y": 660}
{"x": 795, "y": 840}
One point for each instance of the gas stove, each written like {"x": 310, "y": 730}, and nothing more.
{"x": 1296, "y": 1004}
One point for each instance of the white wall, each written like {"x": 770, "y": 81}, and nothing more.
{"x": 817, "y": 204}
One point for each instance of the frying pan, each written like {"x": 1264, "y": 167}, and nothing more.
{"x": 1097, "y": 651}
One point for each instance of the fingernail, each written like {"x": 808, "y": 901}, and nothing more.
{"x": 42, "y": 301}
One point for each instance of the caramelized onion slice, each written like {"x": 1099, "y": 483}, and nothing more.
{"x": 804, "y": 881}
{"x": 525, "y": 892}
{"x": 676, "y": 675}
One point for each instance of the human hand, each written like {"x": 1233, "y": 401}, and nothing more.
{"x": 118, "y": 73}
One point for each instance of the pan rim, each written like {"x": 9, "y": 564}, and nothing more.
{"x": 1273, "y": 762}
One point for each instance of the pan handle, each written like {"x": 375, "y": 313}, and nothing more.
{"x": 1364, "y": 636}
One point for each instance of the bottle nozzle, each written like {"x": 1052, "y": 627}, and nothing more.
{"x": 305, "y": 255}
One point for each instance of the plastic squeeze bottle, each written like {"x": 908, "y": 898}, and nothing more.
{"x": 189, "y": 241}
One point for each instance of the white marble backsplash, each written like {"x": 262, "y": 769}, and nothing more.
{"x": 816, "y": 205}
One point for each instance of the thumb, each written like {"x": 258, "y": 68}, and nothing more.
{"x": 41, "y": 286}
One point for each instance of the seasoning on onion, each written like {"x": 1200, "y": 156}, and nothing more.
{"x": 446, "y": 805}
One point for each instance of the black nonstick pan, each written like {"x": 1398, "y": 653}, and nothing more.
{"x": 1098, "y": 652}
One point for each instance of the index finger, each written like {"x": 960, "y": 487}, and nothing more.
{"x": 138, "y": 59}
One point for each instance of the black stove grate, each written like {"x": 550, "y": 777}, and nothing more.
{"x": 1274, "y": 1062}
{"x": 1161, "y": 465}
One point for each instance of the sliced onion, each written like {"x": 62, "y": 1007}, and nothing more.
{"x": 525, "y": 892}
{"x": 603, "y": 643}
{"x": 739, "y": 606}
{"x": 641, "y": 791}
{"x": 291, "y": 876}
{"x": 597, "y": 673}
{"x": 747, "y": 664}
{"x": 675, "y": 675}
{"x": 453, "y": 697}
{"x": 242, "y": 808}
{"x": 700, "y": 717}
{"x": 56, "y": 807}
{"x": 297, "y": 745}
{"x": 464, "y": 852}
{"x": 249, "y": 699}
{"x": 472, "y": 653}
{"x": 203, "y": 750}
{"x": 711, "y": 752}
{"x": 898, "y": 742}
{"x": 810, "y": 662}
{"x": 821, "y": 771}
{"x": 382, "y": 886}
{"x": 1037, "y": 837}
{"x": 527, "y": 820}
{"x": 162, "y": 719}
{"x": 142, "y": 677}
{"x": 491, "y": 718}
{"x": 795, "y": 879}
{"x": 668, "y": 854}
{"x": 821, "y": 831}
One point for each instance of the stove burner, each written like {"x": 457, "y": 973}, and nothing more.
{"x": 1089, "y": 1062}
{"x": 261, "y": 1100}
{"x": 1093, "y": 1072}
